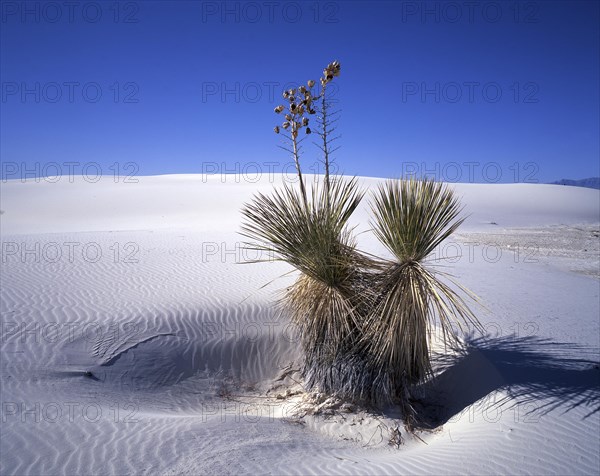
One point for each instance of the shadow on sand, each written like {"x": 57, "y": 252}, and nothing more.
{"x": 539, "y": 375}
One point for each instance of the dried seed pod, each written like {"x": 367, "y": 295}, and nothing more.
{"x": 286, "y": 125}
{"x": 308, "y": 131}
{"x": 300, "y": 109}
{"x": 294, "y": 134}
{"x": 302, "y": 89}
{"x": 305, "y": 121}
{"x": 293, "y": 107}
{"x": 311, "y": 83}
{"x": 278, "y": 109}
{"x": 335, "y": 68}
{"x": 288, "y": 117}
{"x": 276, "y": 129}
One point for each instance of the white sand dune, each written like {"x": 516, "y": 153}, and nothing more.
{"x": 212, "y": 202}
{"x": 134, "y": 342}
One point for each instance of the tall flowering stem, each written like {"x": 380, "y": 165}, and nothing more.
{"x": 332, "y": 70}
{"x": 323, "y": 135}
{"x": 296, "y": 118}
{"x": 296, "y": 153}
{"x": 301, "y": 101}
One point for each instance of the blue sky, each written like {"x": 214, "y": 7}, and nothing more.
{"x": 464, "y": 91}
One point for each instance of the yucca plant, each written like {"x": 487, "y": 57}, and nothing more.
{"x": 365, "y": 323}
{"x": 315, "y": 239}
{"x": 412, "y": 217}
{"x": 310, "y": 232}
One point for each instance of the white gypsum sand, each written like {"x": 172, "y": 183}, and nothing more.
{"x": 133, "y": 341}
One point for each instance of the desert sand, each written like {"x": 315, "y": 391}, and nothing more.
{"x": 135, "y": 340}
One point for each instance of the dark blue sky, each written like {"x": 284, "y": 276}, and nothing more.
{"x": 469, "y": 91}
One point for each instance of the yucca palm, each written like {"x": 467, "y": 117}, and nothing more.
{"x": 412, "y": 217}
{"x": 364, "y": 323}
{"x": 313, "y": 236}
